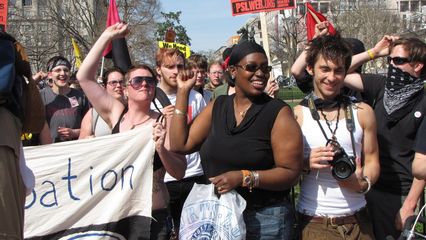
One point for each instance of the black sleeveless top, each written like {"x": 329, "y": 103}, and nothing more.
{"x": 116, "y": 129}
{"x": 247, "y": 146}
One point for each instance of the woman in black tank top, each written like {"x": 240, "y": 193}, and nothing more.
{"x": 140, "y": 91}
{"x": 248, "y": 142}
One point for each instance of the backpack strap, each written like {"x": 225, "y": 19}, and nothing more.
{"x": 161, "y": 96}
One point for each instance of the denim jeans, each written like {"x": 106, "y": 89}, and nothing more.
{"x": 273, "y": 222}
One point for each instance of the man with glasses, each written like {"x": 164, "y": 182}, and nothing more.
{"x": 65, "y": 106}
{"x": 215, "y": 76}
{"x": 399, "y": 105}
{"x": 169, "y": 62}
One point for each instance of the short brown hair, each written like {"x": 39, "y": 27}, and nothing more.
{"x": 415, "y": 47}
{"x": 108, "y": 72}
{"x": 164, "y": 53}
{"x": 197, "y": 61}
{"x": 332, "y": 48}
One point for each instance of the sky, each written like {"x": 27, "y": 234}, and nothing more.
{"x": 209, "y": 23}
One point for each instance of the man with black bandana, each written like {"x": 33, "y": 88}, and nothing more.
{"x": 65, "y": 106}
{"x": 399, "y": 105}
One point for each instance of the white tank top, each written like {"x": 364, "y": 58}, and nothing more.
{"x": 320, "y": 194}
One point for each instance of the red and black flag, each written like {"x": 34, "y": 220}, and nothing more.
{"x": 117, "y": 50}
{"x": 312, "y": 18}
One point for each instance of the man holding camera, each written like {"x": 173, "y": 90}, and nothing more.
{"x": 399, "y": 104}
{"x": 341, "y": 152}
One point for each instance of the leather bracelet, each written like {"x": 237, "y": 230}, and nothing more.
{"x": 247, "y": 178}
{"x": 179, "y": 112}
{"x": 368, "y": 185}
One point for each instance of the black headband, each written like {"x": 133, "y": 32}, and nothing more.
{"x": 58, "y": 62}
{"x": 243, "y": 49}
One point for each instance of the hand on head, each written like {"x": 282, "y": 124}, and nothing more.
{"x": 382, "y": 47}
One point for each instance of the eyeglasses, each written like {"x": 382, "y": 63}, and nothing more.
{"x": 136, "y": 82}
{"x": 253, "y": 67}
{"x": 114, "y": 83}
{"x": 398, "y": 60}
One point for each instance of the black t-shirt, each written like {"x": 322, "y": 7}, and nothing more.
{"x": 396, "y": 140}
{"x": 64, "y": 110}
{"x": 421, "y": 139}
{"x": 247, "y": 146}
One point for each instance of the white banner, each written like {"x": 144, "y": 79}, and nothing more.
{"x": 89, "y": 182}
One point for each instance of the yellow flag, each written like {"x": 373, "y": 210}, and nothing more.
{"x": 76, "y": 53}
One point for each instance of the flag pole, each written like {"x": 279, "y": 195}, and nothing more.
{"x": 102, "y": 67}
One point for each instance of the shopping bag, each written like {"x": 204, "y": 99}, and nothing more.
{"x": 205, "y": 216}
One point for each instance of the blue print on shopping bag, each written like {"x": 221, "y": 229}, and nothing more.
{"x": 205, "y": 216}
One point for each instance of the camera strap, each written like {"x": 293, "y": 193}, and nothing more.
{"x": 349, "y": 117}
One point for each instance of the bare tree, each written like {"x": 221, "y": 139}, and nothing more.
{"x": 368, "y": 22}
{"x": 290, "y": 33}
{"x": 47, "y": 26}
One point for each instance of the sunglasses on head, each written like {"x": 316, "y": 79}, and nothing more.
{"x": 398, "y": 60}
{"x": 253, "y": 67}
{"x": 136, "y": 82}
{"x": 114, "y": 83}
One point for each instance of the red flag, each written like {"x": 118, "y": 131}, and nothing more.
{"x": 112, "y": 19}
{"x": 312, "y": 18}
{"x": 117, "y": 49}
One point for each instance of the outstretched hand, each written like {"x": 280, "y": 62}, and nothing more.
{"x": 118, "y": 30}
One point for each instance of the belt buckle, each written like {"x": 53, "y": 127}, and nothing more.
{"x": 333, "y": 222}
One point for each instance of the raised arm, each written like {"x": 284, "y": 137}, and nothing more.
{"x": 299, "y": 66}
{"x": 186, "y": 139}
{"x": 381, "y": 49}
{"x": 108, "y": 107}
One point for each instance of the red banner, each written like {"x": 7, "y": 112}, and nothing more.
{"x": 253, "y": 6}
{"x": 3, "y": 14}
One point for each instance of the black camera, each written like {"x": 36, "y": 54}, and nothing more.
{"x": 343, "y": 165}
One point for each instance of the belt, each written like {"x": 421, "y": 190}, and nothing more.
{"x": 332, "y": 221}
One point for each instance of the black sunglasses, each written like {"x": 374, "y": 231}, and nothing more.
{"x": 253, "y": 67}
{"x": 136, "y": 82}
{"x": 398, "y": 60}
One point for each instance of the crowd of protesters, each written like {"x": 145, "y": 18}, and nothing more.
{"x": 352, "y": 142}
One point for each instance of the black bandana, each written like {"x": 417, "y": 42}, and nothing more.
{"x": 401, "y": 90}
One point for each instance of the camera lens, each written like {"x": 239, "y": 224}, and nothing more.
{"x": 343, "y": 169}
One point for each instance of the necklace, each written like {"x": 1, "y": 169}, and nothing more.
{"x": 333, "y": 132}
{"x": 136, "y": 124}
{"x": 242, "y": 113}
